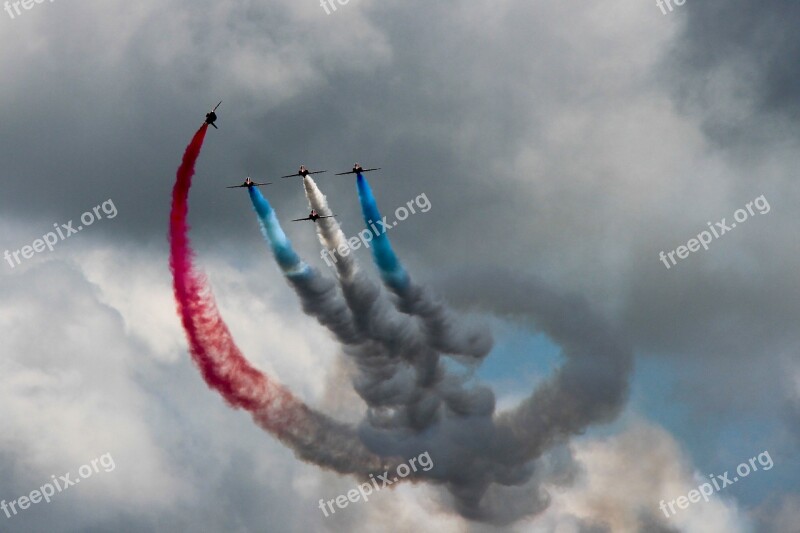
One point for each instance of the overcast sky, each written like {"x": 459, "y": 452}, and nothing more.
{"x": 561, "y": 145}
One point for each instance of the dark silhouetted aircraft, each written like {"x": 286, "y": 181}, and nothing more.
{"x": 312, "y": 216}
{"x": 248, "y": 183}
{"x": 211, "y": 116}
{"x": 357, "y": 169}
{"x": 303, "y": 172}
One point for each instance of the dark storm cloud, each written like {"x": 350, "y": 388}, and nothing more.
{"x": 117, "y": 134}
{"x": 758, "y": 40}
{"x": 445, "y": 96}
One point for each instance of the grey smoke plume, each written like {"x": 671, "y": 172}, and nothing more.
{"x": 493, "y": 465}
{"x": 592, "y": 385}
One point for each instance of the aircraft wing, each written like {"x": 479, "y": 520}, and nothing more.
{"x": 301, "y": 219}
{"x": 354, "y": 172}
{"x": 216, "y": 106}
{"x": 245, "y": 185}
{"x": 296, "y": 174}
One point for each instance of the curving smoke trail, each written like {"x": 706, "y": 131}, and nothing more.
{"x": 391, "y": 269}
{"x": 287, "y": 258}
{"x": 311, "y": 435}
{"x": 373, "y": 313}
{"x": 590, "y": 388}
{"x": 319, "y": 296}
{"x": 445, "y": 331}
{"x": 209, "y": 340}
{"x": 494, "y": 465}
{"x": 330, "y": 234}
{"x": 414, "y": 403}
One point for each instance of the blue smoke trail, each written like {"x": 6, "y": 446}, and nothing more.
{"x": 392, "y": 270}
{"x": 287, "y": 258}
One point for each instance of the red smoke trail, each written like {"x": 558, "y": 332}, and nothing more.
{"x": 221, "y": 363}
{"x": 312, "y": 435}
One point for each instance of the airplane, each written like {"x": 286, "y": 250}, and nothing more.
{"x": 303, "y": 172}
{"x": 211, "y": 116}
{"x": 313, "y": 216}
{"x": 357, "y": 169}
{"x": 248, "y": 183}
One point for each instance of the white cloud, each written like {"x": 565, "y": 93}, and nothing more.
{"x": 624, "y": 479}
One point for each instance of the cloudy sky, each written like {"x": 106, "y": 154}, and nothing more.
{"x": 562, "y": 146}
